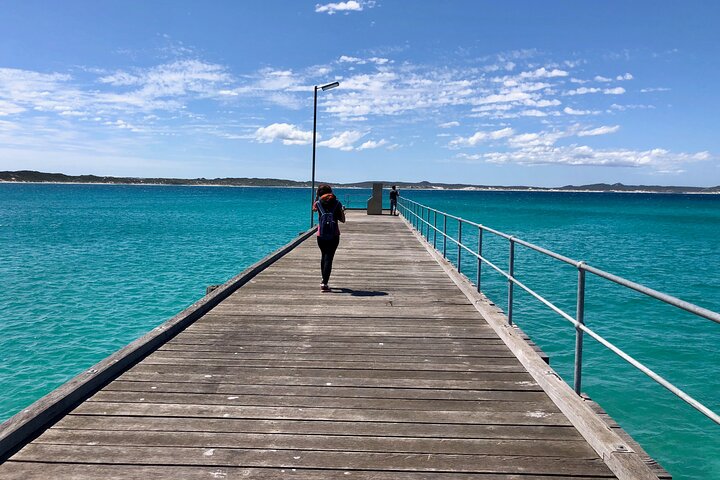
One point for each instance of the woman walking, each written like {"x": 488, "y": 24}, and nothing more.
{"x": 330, "y": 212}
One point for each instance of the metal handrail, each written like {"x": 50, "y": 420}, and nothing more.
{"x": 415, "y": 213}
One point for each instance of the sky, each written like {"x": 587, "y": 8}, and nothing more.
{"x": 510, "y": 92}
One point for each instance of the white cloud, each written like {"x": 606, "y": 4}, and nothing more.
{"x": 604, "y": 130}
{"x": 164, "y": 87}
{"x": 627, "y": 76}
{"x": 529, "y": 140}
{"x": 26, "y": 90}
{"x": 363, "y": 61}
{"x": 655, "y": 89}
{"x": 344, "y": 141}
{"x": 533, "y": 113}
{"x": 539, "y": 148}
{"x": 276, "y": 80}
{"x": 386, "y": 92}
{"x": 572, "y": 111}
{"x": 550, "y": 138}
{"x": 121, "y": 79}
{"x": 622, "y": 108}
{"x": 449, "y": 124}
{"x": 285, "y": 132}
{"x": 123, "y": 125}
{"x": 346, "y": 7}
{"x": 586, "y": 90}
{"x": 319, "y": 71}
{"x": 542, "y": 103}
{"x": 574, "y": 63}
{"x": 482, "y": 136}
{"x": 495, "y": 107}
{"x": 9, "y": 108}
{"x": 372, "y": 86}
{"x": 6, "y": 126}
{"x": 371, "y": 144}
{"x": 472, "y": 157}
{"x": 542, "y": 72}
{"x": 514, "y": 96}
{"x": 415, "y": 90}
{"x": 583, "y": 91}
{"x": 614, "y": 91}
{"x": 178, "y": 78}
{"x": 581, "y": 155}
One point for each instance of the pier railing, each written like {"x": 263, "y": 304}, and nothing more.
{"x": 425, "y": 220}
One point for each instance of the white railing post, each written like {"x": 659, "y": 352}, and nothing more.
{"x": 444, "y": 235}
{"x": 511, "y": 272}
{"x": 459, "y": 253}
{"x": 479, "y": 261}
{"x": 580, "y": 317}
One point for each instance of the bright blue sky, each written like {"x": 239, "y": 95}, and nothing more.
{"x": 502, "y": 93}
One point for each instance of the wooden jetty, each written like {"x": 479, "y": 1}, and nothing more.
{"x": 403, "y": 371}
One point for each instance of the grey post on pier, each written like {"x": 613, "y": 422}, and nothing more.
{"x": 374, "y": 204}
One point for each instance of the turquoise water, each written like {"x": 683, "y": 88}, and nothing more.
{"x": 667, "y": 242}
{"x": 88, "y": 268}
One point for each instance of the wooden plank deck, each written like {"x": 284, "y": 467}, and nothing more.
{"x": 393, "y": 375}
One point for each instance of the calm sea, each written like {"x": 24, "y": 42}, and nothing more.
{"x": 86, "y": 269}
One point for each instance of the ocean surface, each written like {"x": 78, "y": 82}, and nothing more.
{"x": 86, "y": 269}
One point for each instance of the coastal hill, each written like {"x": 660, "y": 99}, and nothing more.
{"x": 29, "y": 176}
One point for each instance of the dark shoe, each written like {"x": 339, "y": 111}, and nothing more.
{"x": 324, "y": 287}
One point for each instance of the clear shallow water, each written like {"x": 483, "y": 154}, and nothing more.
{"x": 667, "y": 242}
{"x": 86, "y": 269}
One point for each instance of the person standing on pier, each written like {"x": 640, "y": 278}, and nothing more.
{"x": 394, "y": 194}
{"x": 330, "y": 212}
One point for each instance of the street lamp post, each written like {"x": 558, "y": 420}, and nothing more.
{"x": 312, "y": 192}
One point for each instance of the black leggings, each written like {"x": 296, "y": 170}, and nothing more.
{"x": 327, "y": 247}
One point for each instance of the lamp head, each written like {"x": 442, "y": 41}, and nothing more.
{"x": 330, "y": 85}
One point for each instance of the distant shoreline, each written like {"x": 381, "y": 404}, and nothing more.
{"x": 340, "y": 186}
{"x": 33, "y": 177}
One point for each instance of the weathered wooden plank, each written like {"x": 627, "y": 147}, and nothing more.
{"x": 84, "y": 471}
{"x": 330, "y": 380}
{"x": 346, "y": 329}
{"x": 310, "y": 459}
{"x": 330, "y": 372}
{"x": 239, "y": 399}
{"x": 349, "y": 289}
{"x": 330, "y": 354}
{"x": 536, "y": 417}
{"x": 281, "y": 359}
{"x": 399, "y": 332}
{"x": 350, "y": 298}
{"x": 317, "y": 427}
{"x": 489, "y": 366}
{"x": 506, "y": 396}
{"x": 342, "y": 443}
{"x": 249, "y": 320}
{"x": 386, "y": 342}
